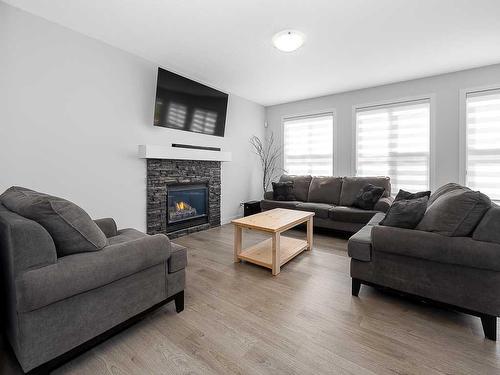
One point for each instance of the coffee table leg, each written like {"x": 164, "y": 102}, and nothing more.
{"x": 276, "y": 259}
{"x": 310, "y": 233}
{"x": 237, "y": 243}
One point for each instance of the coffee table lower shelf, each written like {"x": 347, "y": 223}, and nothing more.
{"x": 261, "y": 253}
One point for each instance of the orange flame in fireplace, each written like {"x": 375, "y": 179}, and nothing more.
{"x": 180, "y": 206}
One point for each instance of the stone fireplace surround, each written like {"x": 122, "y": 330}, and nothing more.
{"x": 162, "y": 172}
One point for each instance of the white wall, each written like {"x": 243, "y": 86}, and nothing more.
{"x": 445, "y": 88}
{"x": 73, "y": 110}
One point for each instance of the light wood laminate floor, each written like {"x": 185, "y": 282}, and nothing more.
{"x": 239, "y": 319}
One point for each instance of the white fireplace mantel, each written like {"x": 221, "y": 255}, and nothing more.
{"x": 169, "y": 152}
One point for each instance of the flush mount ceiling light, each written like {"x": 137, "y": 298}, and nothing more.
{"x": 288, "y": 40}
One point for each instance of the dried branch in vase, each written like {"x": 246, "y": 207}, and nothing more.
{"x": 269, "y": 153}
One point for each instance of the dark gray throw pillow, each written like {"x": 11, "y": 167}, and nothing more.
{"x": 368, "y": 196}
{"x": 283, "y": 191}
{"x": 300, "y": 185}
{"x": 406, "y": 213}
{"x": 71, "y": 228}
{"x": 403, "y": 194}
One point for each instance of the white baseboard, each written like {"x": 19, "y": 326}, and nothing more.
{"x": 227, "y": 220}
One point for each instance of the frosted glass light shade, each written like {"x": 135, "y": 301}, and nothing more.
{"x": 288, "y": 40}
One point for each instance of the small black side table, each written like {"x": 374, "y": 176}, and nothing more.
{"x": 251, "y": 208}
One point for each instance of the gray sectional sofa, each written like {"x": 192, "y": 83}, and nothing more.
{"x": 55, "y": 305}
{"x": 459, "y": 268}
{"x": 331, "y": 199}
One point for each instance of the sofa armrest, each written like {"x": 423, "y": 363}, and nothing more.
{"x": 108, "y": 226}
{"x": 178, "y": 258}
{"x": 78, "y": 273}
{"x": 268, "y": 195}
{"x": 412, "y": 243}
{"x": 383, "y": 204}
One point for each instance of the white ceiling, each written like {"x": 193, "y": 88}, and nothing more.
{"x": 350, "y": 44}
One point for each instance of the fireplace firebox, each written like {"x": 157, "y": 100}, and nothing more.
{"x": 187, "y": 205}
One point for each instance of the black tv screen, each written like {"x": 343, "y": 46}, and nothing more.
{"x": 184, "y": 104}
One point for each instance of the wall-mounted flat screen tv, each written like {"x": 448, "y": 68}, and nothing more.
{"x": 184, "y": 104}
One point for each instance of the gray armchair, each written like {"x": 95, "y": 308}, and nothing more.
{"x": 55, "y": 306}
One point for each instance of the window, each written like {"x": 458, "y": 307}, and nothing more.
{"x": 308, "y": 145}
{"x": 482, "y": 169}
{"x": 394, "y": 140}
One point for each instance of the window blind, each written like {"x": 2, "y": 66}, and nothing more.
{"x": 308, "y": 145}
{"x": 483, "y": 142}
{"x": 394, "y": 140}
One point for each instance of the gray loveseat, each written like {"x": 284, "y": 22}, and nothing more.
{"x": 54, "y": 306}
{"x": 331, "y": 199}
{"x": 461, "y": 272}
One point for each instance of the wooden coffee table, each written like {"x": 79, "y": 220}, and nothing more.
{"x": 276, "y": 251}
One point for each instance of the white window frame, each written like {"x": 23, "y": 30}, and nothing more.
{"x": 463, "y": 127}
{"x": 329, "y": 111}
{"x": 432, "y": 131}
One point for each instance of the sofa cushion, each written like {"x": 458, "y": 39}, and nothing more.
{"x": 352, "y": 185}
{"x": 406, "y": 213}
{"x": 24, "y": 243}
{"x": 359, "y": 246}
{"x": 445, "y": 189}
{"x": 71, "y": 228}
{"x": 325, "y": 190}
{"x": 488, "y": 228}
{"x": 403, "y": 194}
{"x": 321, "y": 210}
{"x": 300, "y": 185}
{"x": 368, "y": 196}
{"x": 269, "y": 204}
{"x": 455, "y": 213}
{"x": 351, "y": 214}
{"x": 283, "y": 191}
{"x": 178, "y": 258}
{"x": 14, "y": 195}
{"x": 435, "y": 247}
{"x": 337, "y": 225}
{"x": 82, "y": 272}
